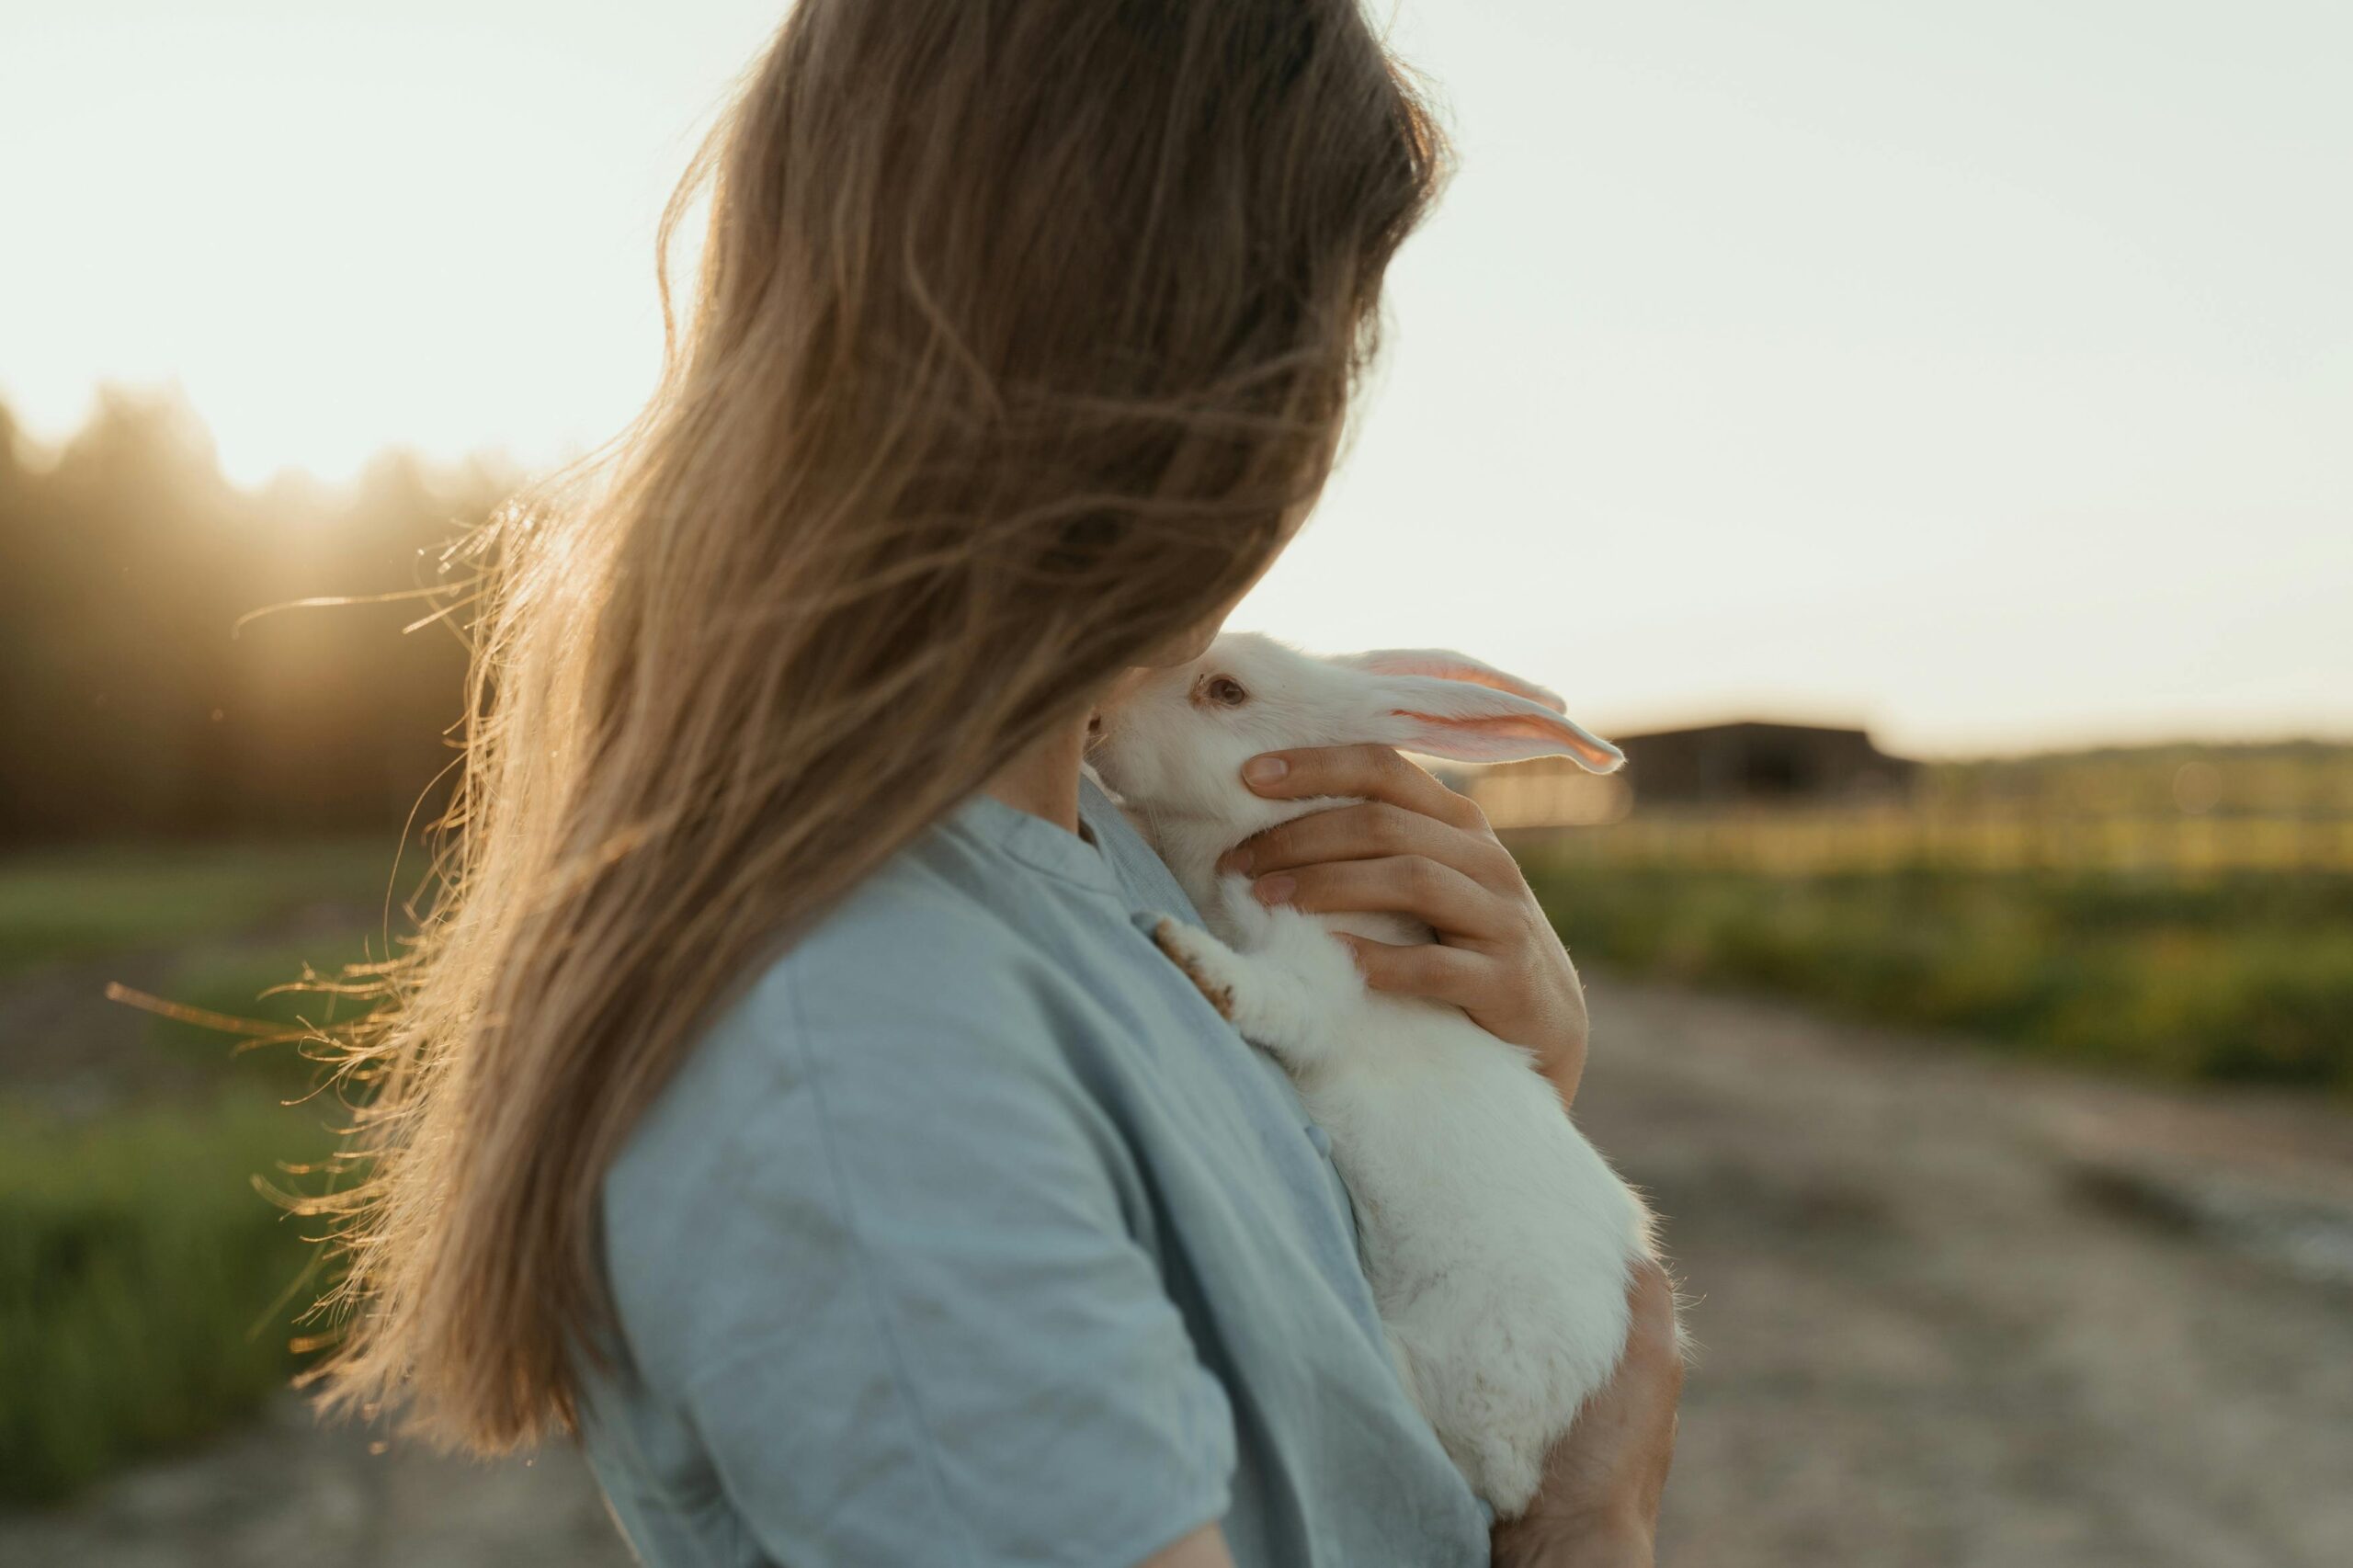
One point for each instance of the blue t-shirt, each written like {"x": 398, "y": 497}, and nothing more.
{"x": 972, "y": 1235}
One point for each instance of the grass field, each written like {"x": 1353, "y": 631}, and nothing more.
{"x": 148, "y": 1290}
{"x": 2181, "y": 911}
{"x": 109, "y": 899}
{"x": 2243, "y": 977}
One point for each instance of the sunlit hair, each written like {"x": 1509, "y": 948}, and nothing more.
{"x": 1021, "y": 326}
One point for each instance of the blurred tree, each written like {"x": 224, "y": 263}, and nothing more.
{"x": 134, "y": 704}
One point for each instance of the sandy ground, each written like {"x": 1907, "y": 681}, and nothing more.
{"x": 1949, "y": 1310}
{"x": 283, "y": 1495}
{"x": 1954, "y": 1311}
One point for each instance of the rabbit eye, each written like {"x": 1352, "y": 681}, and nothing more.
{"x": 1225, "y": 691}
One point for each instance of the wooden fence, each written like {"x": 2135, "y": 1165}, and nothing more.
{"x": 1803, "y": 841}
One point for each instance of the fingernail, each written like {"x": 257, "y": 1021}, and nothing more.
{"x": 1274, "y": 890}
{"x": 1234, "y": 862}
{"x": 1264, "y": 770}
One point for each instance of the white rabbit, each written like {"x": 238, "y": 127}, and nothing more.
{"x": 1499, "y": 1243}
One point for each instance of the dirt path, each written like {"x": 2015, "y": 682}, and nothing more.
{"x": 283, "y": 1495}
{"x": 1952, "y": 1312}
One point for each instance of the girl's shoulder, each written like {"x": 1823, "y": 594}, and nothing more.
{"x": 966, "y": 977}
{"x": 939, "y": 1041}
{"x": 949, "y": 948}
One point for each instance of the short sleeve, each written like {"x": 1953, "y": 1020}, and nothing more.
{"x": 925, "y": 1328}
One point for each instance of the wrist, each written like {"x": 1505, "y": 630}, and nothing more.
{"x": 1599, "y": 1538}
{"x": 1563, "y": 1069}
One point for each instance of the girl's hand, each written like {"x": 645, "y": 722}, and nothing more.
{"x": 1418, "y": 848}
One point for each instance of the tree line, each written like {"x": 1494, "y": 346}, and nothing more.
{"x": 142, "y": 696}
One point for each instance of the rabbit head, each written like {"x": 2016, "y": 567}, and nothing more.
{"x": 1174, "y": 748}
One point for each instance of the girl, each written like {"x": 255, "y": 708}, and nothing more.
{"x": 782, "y": 1097}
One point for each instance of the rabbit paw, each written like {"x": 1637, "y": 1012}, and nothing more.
{"x": 1202, "y": 958}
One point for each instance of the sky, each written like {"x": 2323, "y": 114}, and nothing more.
{"x": 1980, "y": 373}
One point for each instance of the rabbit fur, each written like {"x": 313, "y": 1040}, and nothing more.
{"x": 1497, "y": 1240}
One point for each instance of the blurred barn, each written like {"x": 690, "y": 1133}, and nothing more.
{"x": 1712, "y": 765}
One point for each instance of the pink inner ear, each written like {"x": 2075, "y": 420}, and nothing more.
{"x": 1440, "y": 664}
{"x": 1517, "y": 734}
{"x": 1505, "y": 738}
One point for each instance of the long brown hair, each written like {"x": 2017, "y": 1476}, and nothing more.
{"x": 1020, "y": 326}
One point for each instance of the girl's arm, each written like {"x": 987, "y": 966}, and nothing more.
{"x": 891, "y": 1284}
{"x": 1205, "y": 1548}
{"x": 1598, "y": 1505}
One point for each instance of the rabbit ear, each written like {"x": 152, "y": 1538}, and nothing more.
{"x": 1476, "y": 724}
{"x": 1444, "y": 663}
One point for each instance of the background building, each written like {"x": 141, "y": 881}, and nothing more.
{"x": 1757, "y": 762}
{"x": 1745, "y": 763}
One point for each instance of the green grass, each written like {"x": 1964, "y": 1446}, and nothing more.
{"x": 2247, "y": 978}
{"x": 64, "y": 904}
{"x": 147, "y": 1291}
